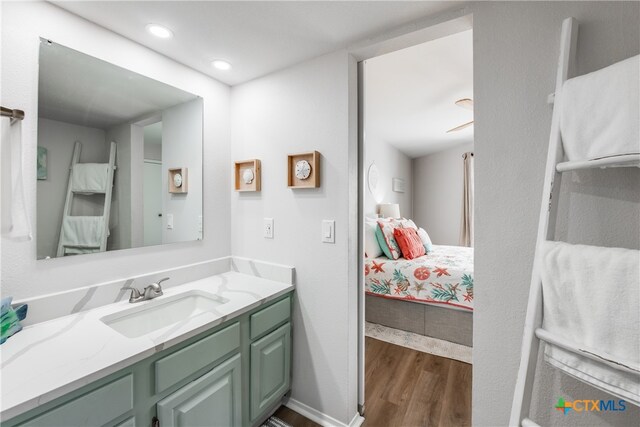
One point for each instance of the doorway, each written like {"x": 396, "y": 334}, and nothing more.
{"x": 416, "y": 172}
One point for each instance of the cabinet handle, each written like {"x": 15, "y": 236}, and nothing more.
{"x": 155, "y": 422}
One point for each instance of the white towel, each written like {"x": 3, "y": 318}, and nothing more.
{"x": 89, "y": 177}
{"x": 16, "y": 225}
{"x": 82, "y": 231}
{"x": 592, "y": 298}
{"x": 600, "y": 111}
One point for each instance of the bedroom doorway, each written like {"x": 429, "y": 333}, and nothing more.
{"x": 416, "y": 223}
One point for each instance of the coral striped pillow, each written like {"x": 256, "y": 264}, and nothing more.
{"x": 409, "y": 242}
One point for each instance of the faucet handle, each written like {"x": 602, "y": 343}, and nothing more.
{"x": 162, "y": 280}
{"x": 135, "y": 293}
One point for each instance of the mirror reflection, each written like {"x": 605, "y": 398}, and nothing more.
{"x": 119, "y": 157}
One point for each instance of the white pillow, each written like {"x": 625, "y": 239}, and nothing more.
{"x": 371, "y": 246}
{"x": 407, "y": 223}
{"x": 426, "y": 240}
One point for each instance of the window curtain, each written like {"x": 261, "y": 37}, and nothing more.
{"x": 466, "y": 229}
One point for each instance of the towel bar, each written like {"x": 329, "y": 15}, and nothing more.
{"x": 14, "y": 114}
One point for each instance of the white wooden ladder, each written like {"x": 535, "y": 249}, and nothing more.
{"x": 533, "y": 333}
{"x": 68, "y": 204}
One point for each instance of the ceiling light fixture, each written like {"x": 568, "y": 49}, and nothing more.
{"x": 221, "y": 64}
{"x": 159, "y": 31}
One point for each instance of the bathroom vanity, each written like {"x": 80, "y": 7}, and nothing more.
{"x": 215, "y": 351}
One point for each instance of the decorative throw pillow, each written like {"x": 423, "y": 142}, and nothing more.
{"x": 371, "y": 246}
{"x": 409, "y": 242}
{"x": 426, "y": 240}
{"x": 388, "y": 244}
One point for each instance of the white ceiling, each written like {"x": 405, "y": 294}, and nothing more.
{"x": 256, "y": 37}
{"x": 83, "y": 90}
{"x": 410, "y": 95}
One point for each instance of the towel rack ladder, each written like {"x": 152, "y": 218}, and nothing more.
{"x": 68, "y": 204}
{"x": 533, "y": 334}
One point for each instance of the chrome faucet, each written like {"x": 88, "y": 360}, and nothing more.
{"x": 150, "y": 292}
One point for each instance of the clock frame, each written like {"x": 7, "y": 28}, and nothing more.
{"x": 313, "y": 181}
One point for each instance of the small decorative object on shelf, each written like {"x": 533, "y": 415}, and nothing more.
{"x": 178, "y": 180}
{"x": 303, "y": 170}
{"x": 247, "y": 175}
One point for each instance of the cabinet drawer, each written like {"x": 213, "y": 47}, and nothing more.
{"x": 270, "y": 317}
{"x": 95, "y": 408}
{"x": 179, "y": 365}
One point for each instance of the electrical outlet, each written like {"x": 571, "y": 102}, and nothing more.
{"x": 169, "y": 221}
{"x": 268, "y": 228}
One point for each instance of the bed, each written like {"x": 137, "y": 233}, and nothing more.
{"x": 431, "y": 295}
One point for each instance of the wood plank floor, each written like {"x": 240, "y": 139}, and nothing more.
{"x": 405, "y": 387}
{"x": 293, "y": 418}
{"x": 408, "y": 388}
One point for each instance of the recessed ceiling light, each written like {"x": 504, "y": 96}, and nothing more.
{"x": 159, "y": 31}
{"x": 221, "y": 64}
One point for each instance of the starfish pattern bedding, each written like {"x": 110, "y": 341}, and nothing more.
{"x": 443, "y": 277}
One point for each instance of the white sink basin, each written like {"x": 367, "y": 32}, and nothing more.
{"x": 149, "y": 316}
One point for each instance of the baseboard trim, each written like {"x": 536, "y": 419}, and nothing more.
{"x": 319, "y": 417}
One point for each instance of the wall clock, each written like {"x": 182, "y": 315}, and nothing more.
{"x": 303, "y": 170}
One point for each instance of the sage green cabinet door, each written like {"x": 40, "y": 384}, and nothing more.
{"x": 270, "y": 369}
{"x": 214, "y": 399}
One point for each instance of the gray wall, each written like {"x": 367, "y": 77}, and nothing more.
{"x": 437, "y": 194}
{"x": 515, "y": 59}
{"x": 152, "y": 151}
{"x": 303, "y": 108}
{"x": 120, "y": 221}
{"x": 391, "y": 163}
{"x": 59, "y": 139}
{"x": 182, "y": 147}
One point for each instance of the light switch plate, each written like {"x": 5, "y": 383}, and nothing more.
{"x": 268, "y": 228}
{"x": 169, "y": 221}
{"x": 328, "y": 231}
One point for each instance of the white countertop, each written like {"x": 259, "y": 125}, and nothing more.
{"x": 50, "y": 359}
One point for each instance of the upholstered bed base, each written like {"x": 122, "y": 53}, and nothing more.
{"x": 437, "y": 322}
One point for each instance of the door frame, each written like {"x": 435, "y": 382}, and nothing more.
{"x": 158, "y": 163}
{"x": 445, "y": 24}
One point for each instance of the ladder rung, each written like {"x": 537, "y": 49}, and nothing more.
{"x": 584, "y": 352}
{"x": 528, "y": 423}
{"x": 81, "y": 192}
{"x": 626, "y": 160}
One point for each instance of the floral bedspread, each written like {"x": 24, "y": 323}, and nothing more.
{"x": 443, "y": 277}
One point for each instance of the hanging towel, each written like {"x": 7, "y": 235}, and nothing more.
{"x": 16, "y": 225}
{"x": 592, "y": 298}
{"x": 599, "y": 112}
{"x": 89, "y": 178}
{"x": 82, "y": 231}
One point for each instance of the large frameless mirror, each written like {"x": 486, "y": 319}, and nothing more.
{"x": 119, "y": 157}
